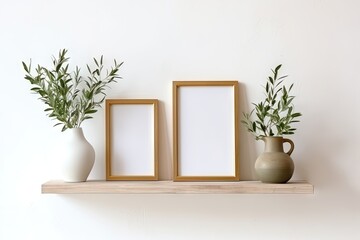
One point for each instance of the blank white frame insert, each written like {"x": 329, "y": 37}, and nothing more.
{"x": 131, "y": 139}
{"x": 205, "y": 130}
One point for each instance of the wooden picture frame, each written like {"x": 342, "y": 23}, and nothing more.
{"x": 131, "y": 139}
{"x": 205, "y": 131}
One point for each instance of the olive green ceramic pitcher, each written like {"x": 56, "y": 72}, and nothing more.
{"x": 274, "y": 165}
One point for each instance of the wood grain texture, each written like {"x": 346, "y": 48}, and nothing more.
{"x": 170, "y": 187}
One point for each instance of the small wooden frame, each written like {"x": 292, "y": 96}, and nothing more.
{"x": 131, "y": 139}
{"x": 205, "y": 122}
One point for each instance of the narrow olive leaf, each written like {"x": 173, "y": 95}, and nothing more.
{"x": 57, "y": 124}
{"x": 279, "y": 83}
{"x": 27, "y": 77}
{"x": 271, "y": 132}
{"x": 25, "y": 67}
{"x": 90, "y": 111}
{"x": 278, "y": 67}
{"x": 282, "y": 77}
{"x": 290, "y": 111}
{"x": 290, "y": 99}
{"x": 263, "y": 128}
{"x": 271, "y": 80}
{"x": 294, "y": 115}
{"x": 88, "y": 68}
{"x": 291, "y": 86}
{"x": 35, "y": 89}
{"x": 59, "y": 64}
{"x": 96, "y": 62}
{"x": 87, "y": 117}
{"x": 285, "y": 93}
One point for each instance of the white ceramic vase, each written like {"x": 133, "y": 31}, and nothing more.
{"x": 78, "y": 156}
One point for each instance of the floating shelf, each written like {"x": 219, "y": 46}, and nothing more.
{"x": 170, "y": 187}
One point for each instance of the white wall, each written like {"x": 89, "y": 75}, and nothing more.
{"x": 318, "y": 43}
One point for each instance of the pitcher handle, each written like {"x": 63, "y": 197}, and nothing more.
{"x": 291, "y": 145}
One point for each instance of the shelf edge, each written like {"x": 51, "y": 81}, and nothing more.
{"x": 170, "y": 187}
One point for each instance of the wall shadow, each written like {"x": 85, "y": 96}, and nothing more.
{"x": 165, "y": 153}
{"x": 247, "y": 142}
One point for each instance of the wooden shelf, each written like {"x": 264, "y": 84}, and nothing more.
{"x": 170, "y": 187}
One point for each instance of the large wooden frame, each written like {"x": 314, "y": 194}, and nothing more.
{"x": 205, "y": 131}
{"x": 131, "y": 139}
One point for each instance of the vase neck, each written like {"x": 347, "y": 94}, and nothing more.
{"x": 273, "y": 144}
{"x": 76, "y": 132}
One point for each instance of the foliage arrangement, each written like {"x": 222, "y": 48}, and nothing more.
{"x": 71, "y": 98}
{"x": 275, "y": 114}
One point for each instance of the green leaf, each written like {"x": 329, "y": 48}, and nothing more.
{"x": 271, "y": 133}
{"x": 25, "y": 67}
{"x": 27, "y": 77}
{"x": 294, "y": 115}
{"x": 279, "y": 83}
{"x": 291, "y": 86}
{"x": 35, "y": 89}
{"x": 271, "y": 80}
{"x": 87, "y": 117}
{"x": 283, "y": 77}
{"x": 262, "y": 126}
{"x": 96, "y": 62}
{"x": 278, "y": 67}
{"x": 90, "y": 111}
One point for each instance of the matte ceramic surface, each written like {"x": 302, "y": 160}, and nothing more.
{"x": 274, "y": 165}
{"x": 79, "y": 156}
